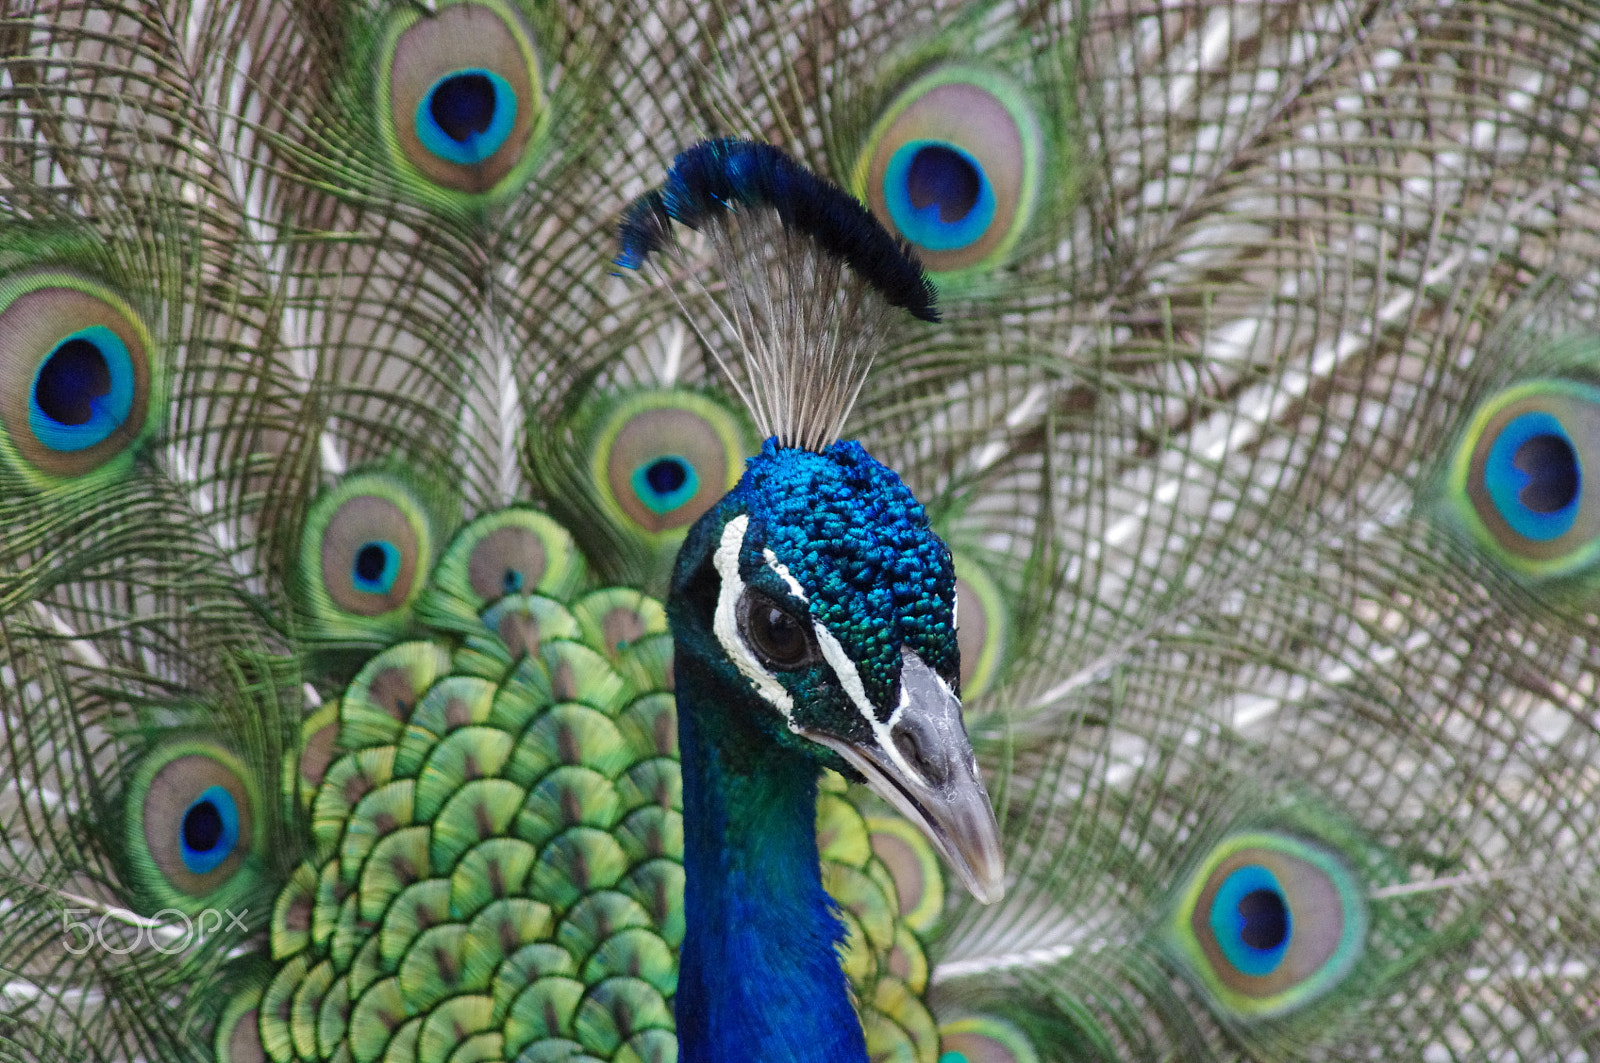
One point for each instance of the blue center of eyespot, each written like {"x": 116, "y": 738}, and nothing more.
{"x": 376, "y": 567}
{"x": 953, "y": 1057}
{"x": 512, "y": 581}
{"x": 938, "y": 195}
{"x": 1250, "y": 920}
{"x": 665, "y": 483}
{"x": 209, "y": 832}
{"x": 466, "y": 116}
{"x": 82, "y": 391}
{"x": 1533, "y": 476}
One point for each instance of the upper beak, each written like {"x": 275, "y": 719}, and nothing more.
{"x": 929, "y": 773}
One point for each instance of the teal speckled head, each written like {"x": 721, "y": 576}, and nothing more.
{"x": 850, "y": 534}
{"x": 817, "y": 592}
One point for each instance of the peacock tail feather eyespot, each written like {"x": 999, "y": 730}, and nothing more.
{"x": 954, "y": 166}
{"x": 1517, "y": 477}
{"x": 982, "y": 627}
{"x": 1267, "y": 924}
{"x": 365, "y": 554}
{"x": 460, "y": 98}
{"x": 984, "y": 1039}
{"x": 83, "y": 376}
{"x": 195, "y": 822}
{"x": 661, "y": 459}
{"x": 914, "y": 866}
{"x": 238, "y": 1033}
{"x": 515, "y": 551}
{"x": 319, "y": 734}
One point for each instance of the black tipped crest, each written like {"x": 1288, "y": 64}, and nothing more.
{"x": 716, "y": 177}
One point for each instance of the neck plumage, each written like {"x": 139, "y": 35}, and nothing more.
{"x": 759, "y": 974}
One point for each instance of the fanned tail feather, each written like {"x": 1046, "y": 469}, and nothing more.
{"x": 1256, "y": 423}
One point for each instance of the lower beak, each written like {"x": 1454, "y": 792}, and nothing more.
{"x": 927, "y": 770}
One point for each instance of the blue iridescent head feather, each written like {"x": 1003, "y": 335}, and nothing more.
{"x": 851, "y": 533}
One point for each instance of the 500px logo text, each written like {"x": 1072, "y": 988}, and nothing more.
{"x": 168, "y": 931}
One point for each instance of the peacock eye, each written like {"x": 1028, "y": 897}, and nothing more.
{"x": 81, "y": 375}
{"x": 664, "y": 459}
{"x": 192, "y": 811}
{"x": 365, "y": 553}
{"x": 953, "y": 166}
{"x": 464, "y": 109}
{"x": 1518, "y": 477}
{"x": 777, "y": 636}
{"x": 1268, "y": 923}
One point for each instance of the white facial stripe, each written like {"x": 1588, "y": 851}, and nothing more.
{"x": 845, "y": 669}
{"x": 726, "y": 621}
{"x": 850, "y": 680}
{"x": 782, "y": 571}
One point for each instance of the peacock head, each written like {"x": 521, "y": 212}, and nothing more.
{"x": 817, "y": 607}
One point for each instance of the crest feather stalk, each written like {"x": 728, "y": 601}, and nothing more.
{"x": 811, "y": 278}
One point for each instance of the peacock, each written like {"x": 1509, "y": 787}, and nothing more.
{"x": 954, "y": 532}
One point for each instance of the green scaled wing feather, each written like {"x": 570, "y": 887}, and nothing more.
{"x": 339, "y": 481}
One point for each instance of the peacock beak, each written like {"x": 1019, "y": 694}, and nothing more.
{"x": 922, "y": 762}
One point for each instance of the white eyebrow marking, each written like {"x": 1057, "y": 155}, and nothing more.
{"x": 783, "y": 573}
{"x": 850, "y": 679}
{"x": 726, "y": 621}
{"x": 845, "y": 669}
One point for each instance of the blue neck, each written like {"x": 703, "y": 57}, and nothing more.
{"x": 759, "y": 975}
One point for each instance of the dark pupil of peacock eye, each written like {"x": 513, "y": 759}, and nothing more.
{"x": 75, "y": 374}
{"x": 776, "y": 636}
{"x": 1264, "y": 918}
{"x": 463, "y": 106}
{"x": 370, "y": 563}
{"x": 666, "y": 475}
{"x": 1552, "y": 468}
{"x": 202, "y": 827}
{"x": 512, "y": 581}
{"x": 939, "y": 175}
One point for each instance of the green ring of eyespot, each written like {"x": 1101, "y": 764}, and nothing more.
{"x": 1484, "y": 501}
{"x": 58, "y": 329}
{"x": 1342, "y": 956}
{"x": 451, "y": 174}
{"x": 945, "y": 257}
